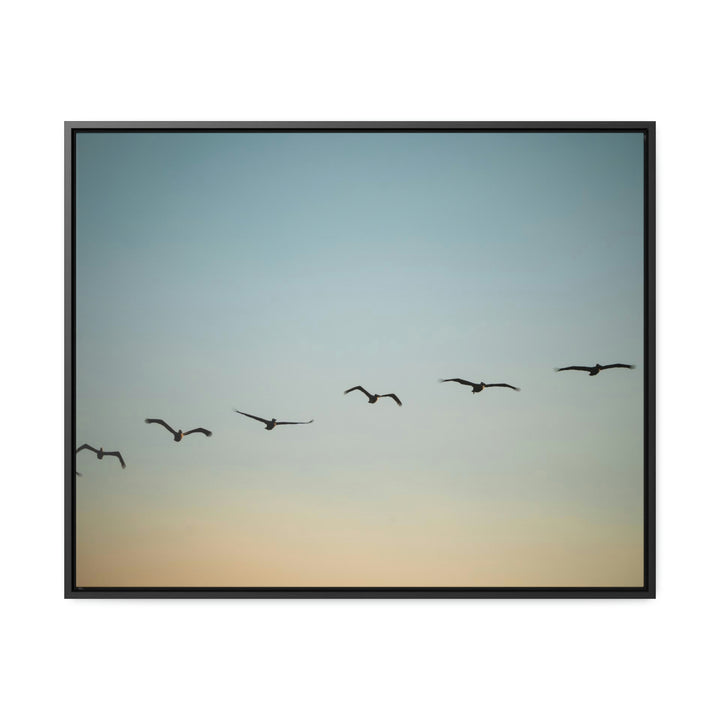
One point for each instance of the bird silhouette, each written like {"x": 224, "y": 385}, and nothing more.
{"x": 101, "y": 454}
{"x": 270, "y": 424}
{"x": 373, "y": 398}
{"x": 595, "y": 369}
{"x": 178, "y": 435}
{"x": 479, "y": 387}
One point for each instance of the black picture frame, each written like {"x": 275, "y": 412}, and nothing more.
{"x": 648, "y": 590}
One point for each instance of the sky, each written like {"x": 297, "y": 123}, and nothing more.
{"x": 269, "y": 272}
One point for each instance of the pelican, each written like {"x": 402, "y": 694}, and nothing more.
{"x": 101, "y": 454}
{"x": 178, "y": 435}
{"x": 270, "y": 424}
{"x": 373, "y": 398}
{"x": 479, "y": 387}
{"x": 596, "y": 369}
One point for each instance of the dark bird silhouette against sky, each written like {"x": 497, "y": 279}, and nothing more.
{"x": 178, "y": 435}
{"x": 595, "y": 369}
{"x": 479, "y": 387}
{"x": 270, "y": 424}
{"x": 373, "y": 398}
{"x": 102, "y": 453}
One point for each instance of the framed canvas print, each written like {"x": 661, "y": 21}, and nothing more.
{"x": 360, "y": 359}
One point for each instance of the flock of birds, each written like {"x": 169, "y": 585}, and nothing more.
{"x": 178, "y": 435}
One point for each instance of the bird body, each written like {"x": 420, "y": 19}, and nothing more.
{"x": 479, "y": 387}
{"x": 595, "y": 369}
{"x": 270, "y": 424}
{"x": 178, "y": 435}
{"x": 100, "y": 454}
{"x": 373, "y": 398}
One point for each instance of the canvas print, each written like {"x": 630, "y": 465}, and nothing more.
{"x": 359, "y": 359}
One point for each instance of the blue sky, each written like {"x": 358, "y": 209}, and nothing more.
{"x": 271, "y": 271}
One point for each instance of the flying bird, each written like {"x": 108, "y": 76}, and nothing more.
{"x": 596, "y": 369}
{"x": 373, "y": 398}
{"x": 101, "y": 454}
{"x": 270, "y": 424}
{"x": 479, "y": 387}
{"x": 178, "y": 435}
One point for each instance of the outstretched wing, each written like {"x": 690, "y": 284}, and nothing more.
{"x": 295, "y": 423}
{"x": 574, "y": 367}
{"x": 459, "y": 380}
{"x": 357, "y": 387}
{"x": 85, "y": 447}
{"x": 158, "y": 421}
{"x": 393, "y": 396}
{"x": 205, "y": 432}
{"x": 117, "y": 454}
{"x": 623, "y": 365}
{"x": 501, "y": 385}
{"x": 254, "y": 417}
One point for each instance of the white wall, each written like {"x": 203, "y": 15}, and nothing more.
{"x": 372, "y": 60}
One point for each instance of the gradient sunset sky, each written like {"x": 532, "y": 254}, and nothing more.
{"x": 269, "y": 272}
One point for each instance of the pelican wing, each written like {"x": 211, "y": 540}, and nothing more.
{"x": 295, "y": 423}
{"x": 459, "y": 380}
{"x": 254, "y": 417}
{"x": 574, "y": 367}
{"x": 160, "y": 422}
{"x": 357, "y": 387}
{"x": 85, "y": 447}
{"x": 205, "y": 432}
{"x": 117, "y": 454}
{"x": 622, "y": 365}
{"x": 393, "y": 396}
{"x": 501, "y": 385}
